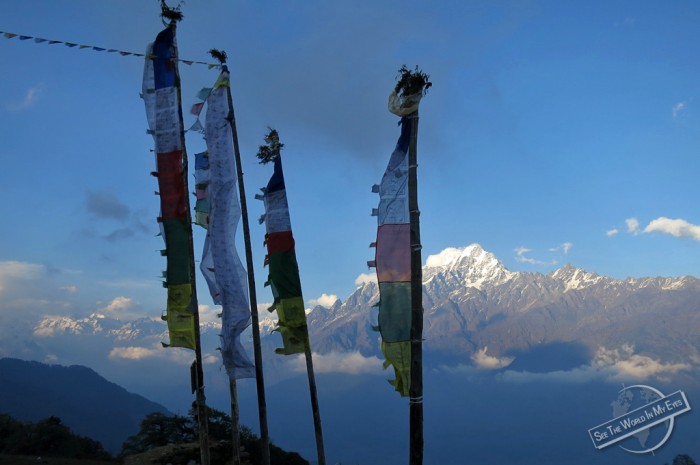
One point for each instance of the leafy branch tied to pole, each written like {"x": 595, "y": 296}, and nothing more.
{"x": 172, "y": 14}
{"x": 412, "y": 82}
{"x": 271, "y": 151}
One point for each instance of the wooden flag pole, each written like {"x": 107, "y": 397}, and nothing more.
{"x": 320, "y": 452}
{"x": 262, "y": 403}
{"x": 200, "y": 397}
{"x": 416, "y": 388}
{"x": 411, "y": 87}
{"x": 235, "y": 424}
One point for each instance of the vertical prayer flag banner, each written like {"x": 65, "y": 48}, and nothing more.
{"x": 284, "y": 270}
{"x": 201, "y": 178}
{"x": 161, "y": 94}
{"x": 218, "y": 207}
{"x": 393, "y": 262}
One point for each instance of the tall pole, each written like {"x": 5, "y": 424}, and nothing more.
{"x": 200, "y": 397}
{"x": 194, "y": 307}
{"x": 262, "y": 404}
{"x": 416, "y": 389}
{"x": 235, "y": 421}
{"x": 320, "y": 452}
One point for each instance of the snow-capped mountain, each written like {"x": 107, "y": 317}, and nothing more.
{"x": 472, "y": 302}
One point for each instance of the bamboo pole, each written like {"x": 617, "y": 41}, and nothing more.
{"x": 235, "y": 424}
{"x": 201, "y": 398}
{"x": 194, "y": 306}
{"x": 416, "y": 388}
{"x": 320, "y": 452}
{"x": 262, "y": 404}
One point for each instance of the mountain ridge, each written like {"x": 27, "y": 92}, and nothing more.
{"x": 85, "y": 401}
{"x": 472, "y": 302}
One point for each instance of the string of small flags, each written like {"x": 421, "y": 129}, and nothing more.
{"x": 40, "y": 40}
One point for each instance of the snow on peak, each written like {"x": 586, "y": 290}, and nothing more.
{"x": 474, "y": 266}
{"x": 452, "y": 255}
{"x": 575, "y": 278}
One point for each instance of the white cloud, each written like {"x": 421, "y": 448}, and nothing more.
{"x": 263, "y": 309}
{"x": 121, "y": 308}
{"x": 365, "y": 278}
{"x": 211, "y": 359}
{"x": 30, "y": 98}
{"x": 623, "y": 363}
{"x": 674, "y": 227}
{"x": 520, "y": 256}
{"x": 445, "y": 257}
{"x": 118, "y": 304}
{"x": 157, "y": 352}
{"x": 678, "y": 108}
{"x": 612, "y": 232}
{"x": 632, "y": 225}
{"x": 565, "y": 247}
{"x": 325, "y": 300}
{"x": 336, "y": 362}
{"x": 489, "y": 362}
{"x": 134, "y": 353}
{"x": 209, "y": 314}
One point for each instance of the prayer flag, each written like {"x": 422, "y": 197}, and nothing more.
{"x": 215, "y": 174}
{"x": 284, "y": 270}
{"x": 393, "y": 262}
{"x": 163, "y": 112}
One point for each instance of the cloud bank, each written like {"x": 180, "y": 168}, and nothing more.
{"x": 619, "y": 365}
{"x": 337, "y": 362}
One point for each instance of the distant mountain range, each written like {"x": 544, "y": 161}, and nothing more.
{"x": 86, "y": 402}
{"x": 477, "y": 313}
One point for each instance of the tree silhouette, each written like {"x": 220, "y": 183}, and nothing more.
{"x": 683, "y": 459}
{"x": 158, "y": 429}
{"x": 49, "y": 437}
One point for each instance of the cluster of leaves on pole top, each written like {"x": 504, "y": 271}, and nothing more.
{"x": 271, "y": 151}
{"x": 173, "y": 14}
{"x": 411, "y": 82}
{"x": 218, "y": 55}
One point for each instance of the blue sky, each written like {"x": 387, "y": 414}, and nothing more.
{"x": 555, "y": 132}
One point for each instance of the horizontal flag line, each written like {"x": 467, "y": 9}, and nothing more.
{"x": 41, "y": 40}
